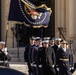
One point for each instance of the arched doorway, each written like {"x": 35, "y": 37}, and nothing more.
{"x": 25, "y": 32}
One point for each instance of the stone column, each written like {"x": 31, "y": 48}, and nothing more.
{"x": 5, "y": 4}
{"x": 57, "y": 17}
{"x": 3, "y": 20}
{"x": 72, "y": 19}
{"x": 60, "y": 16}
{"x": 71, "y": 24}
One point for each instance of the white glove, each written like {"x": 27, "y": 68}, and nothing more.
{"x": 72, "y": 68}
{"x": 5, "y": 49}
{"x": 53, "y": 66}
{"x": 57, "y": 69}
{"x": 6, "y": 53}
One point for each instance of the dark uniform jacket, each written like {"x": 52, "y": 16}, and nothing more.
{"x": 27, "y": 56}
{"x": 62, "y": 59}
{"x": 71, "y": 61}
{"x": 3, "y": 56}
{"x": 35, "y": 54}
{"x": 55, "y": 47}
{"x": 31, "y": 57}
{"x": 47, "y": 59}
{"x": 4, "y": 59}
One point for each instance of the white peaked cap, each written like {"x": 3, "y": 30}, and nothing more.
{"x": 2, "y": 42}
{"x": 46, "y": 41}
{"x": 58, "y": 39}
{"x": 46, "y": 38}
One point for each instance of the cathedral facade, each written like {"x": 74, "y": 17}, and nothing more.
{"x": 65, "y": 18}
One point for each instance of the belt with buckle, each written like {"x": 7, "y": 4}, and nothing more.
{"x": 64, "y": 59}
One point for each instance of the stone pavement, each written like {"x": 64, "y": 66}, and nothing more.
{"x": 74, "y": 73}
{"x": 23, "y": 67}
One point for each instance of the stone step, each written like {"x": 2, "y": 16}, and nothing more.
{"x": 16, "y": 54}
{"x": 17, "y": 59}
{"x": 20, "y": 48}
{"x": 19, "y": 66}
{"x": 15, "y": 51}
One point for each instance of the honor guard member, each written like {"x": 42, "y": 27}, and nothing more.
{"x": 27, "y": 54}
{"x": 47, "y": 59}
{"x": 39, "y": 59}
{"x": 4, "y": 55}
{"x": 37, "y": 41}
{"x": 57, "y": 43}
{"x": 40, "y": 42}
{"x": 34, "y": 53}
{"x": 46, "y": 38}
{"x": 71, "y": 59}
{"x": 52, "y": 43}
{"x": 63, "y": 60}
{"x": 55, "y": 47}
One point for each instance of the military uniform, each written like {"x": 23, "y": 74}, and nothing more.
{"x": 63, "y": 61}
{"x": 28, "y": 54}
{"x": 27, "y": 57}
{"x": 56, "y": 47}
{"x": 35, "y": 60}
{"x": 3, "y": 59}
{"x": 47, "y": 57}
{"x": 4, "y": 55}
{"x": 35, "y": 65}
{"x": 71, "y": 61}
{"x": 57, "y": 44}
{"x": 40, "y": 71}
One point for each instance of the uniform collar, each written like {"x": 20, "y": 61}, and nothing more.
{"x": 64, "y": 49}
{"x": 59, "y": 46}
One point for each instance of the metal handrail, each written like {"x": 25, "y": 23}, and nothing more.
{"x": 61, "y": 33}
